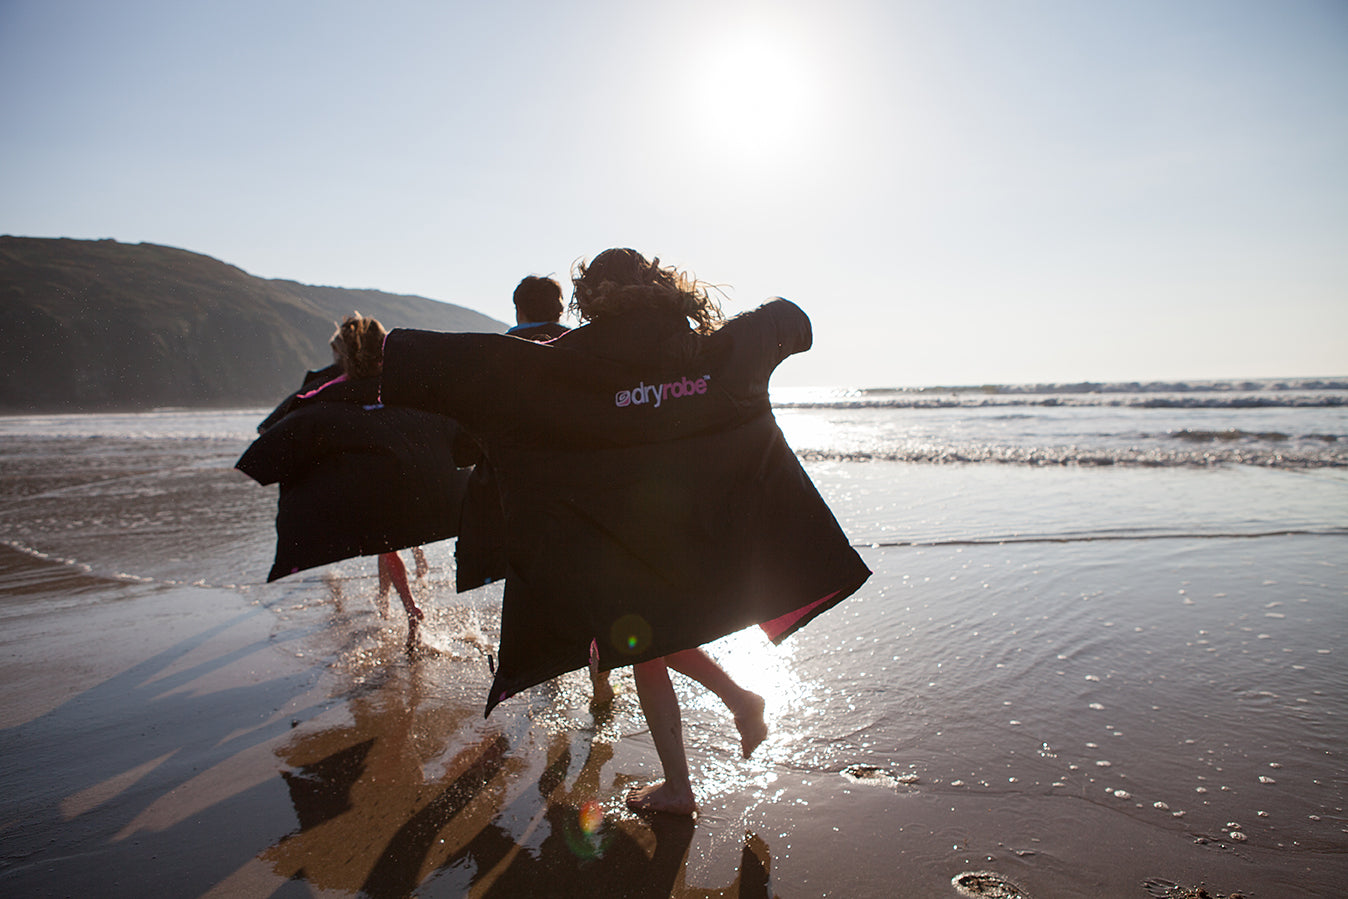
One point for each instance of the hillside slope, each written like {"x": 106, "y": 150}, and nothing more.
{"x": 102, "y": 325}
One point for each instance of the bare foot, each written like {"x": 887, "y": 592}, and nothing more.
{"x": 418, "y": 650}
{"x": 413, "y": 636}
{"x": 603, "y": 690}
{"x": 661, "y": 797}
{"x": 752, "y": 726}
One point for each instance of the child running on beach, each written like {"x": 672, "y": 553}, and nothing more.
{"x": 651, "y": 503}
{"x": 479, "y": 553}
{"x": 357, "y": 479}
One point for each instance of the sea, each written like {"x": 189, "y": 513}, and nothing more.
{"x": 1100, "y": 613}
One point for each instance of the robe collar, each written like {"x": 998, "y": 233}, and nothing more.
{"x": 640, "y": 337}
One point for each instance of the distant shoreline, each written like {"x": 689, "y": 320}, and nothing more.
{"x": 1260, "y": 392}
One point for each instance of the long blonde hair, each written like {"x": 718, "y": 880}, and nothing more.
{"x": 358, "y": 346}
{"x": 620, "y": 280}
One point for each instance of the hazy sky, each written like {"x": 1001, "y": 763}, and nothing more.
{"x": 957, "y": 192}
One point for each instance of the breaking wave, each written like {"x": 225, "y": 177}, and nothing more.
{"x": 1289, "y": 424}
{"x": 1297, "y": 393}
{"x": 1155, "y": 457}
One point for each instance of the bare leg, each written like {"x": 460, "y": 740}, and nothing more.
{"x": 391, "y": 565}
{"x": 661, "y": 707}
{"x": 603, "y": 690}
{"x": 385, "y": 582}
{"x": 746, "y": 705}
{"x": 419, "y": 557}
{"x": 599, "y": 681}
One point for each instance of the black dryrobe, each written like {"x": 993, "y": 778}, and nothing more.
{"x": 651, "y": 503}
{"x": 356, "y": 479}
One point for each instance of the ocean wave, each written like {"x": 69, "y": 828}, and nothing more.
{"x": 1152, "y": 457}
{"x": 1134, "y": 401}
{"x": 1296, "y": 393}
{"x": 1228, "y": 434}
{"x": 1103, "y": 536}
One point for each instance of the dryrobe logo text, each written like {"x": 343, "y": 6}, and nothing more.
{"x": 655, "y": 394}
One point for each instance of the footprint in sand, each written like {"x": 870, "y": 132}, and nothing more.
{"x": 987, "y": 885}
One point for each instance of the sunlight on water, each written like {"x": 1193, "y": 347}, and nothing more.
{"x": 804, "y": 429}
{"x": 814, "y": 395}
{"x": 755, "y": 664}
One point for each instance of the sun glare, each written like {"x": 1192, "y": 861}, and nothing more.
{"x": 755, "y": 97}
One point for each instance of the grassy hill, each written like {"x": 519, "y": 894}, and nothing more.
{"x": 101, "y": 325}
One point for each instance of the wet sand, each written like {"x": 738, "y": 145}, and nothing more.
{"x": 184, "y": 741}
{"x": 171, "y": 742}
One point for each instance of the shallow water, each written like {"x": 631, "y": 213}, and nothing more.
{"x": 1078, "y": 653}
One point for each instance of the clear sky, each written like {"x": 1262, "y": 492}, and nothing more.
{"x": 958, "y": 192}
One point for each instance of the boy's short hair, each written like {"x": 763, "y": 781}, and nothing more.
{"x": 538, "y": 299}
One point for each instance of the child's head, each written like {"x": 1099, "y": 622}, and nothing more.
{"x": 358, "y": 346}
{"x": 621, "y": 280}
{"x": 538, "y": 300}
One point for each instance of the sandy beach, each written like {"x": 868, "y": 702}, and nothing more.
{"x": 173, "y": 743}
{"x": 1103, "y": 708}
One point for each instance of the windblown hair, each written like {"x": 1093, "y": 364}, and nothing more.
{"x": 622, "y": 280}
{"x": 538, "y": 299}
{"x": 358, "y": 346}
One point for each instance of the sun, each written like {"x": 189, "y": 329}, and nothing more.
{"x": 755, "y": 96}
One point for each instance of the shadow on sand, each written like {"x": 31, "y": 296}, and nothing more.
{"x": 492, "y": 824}
{"x": 202, "y": 771}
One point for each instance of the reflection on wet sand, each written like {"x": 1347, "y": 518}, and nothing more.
{"x": 492, "y": 824}
{"x": 369, "y": 817}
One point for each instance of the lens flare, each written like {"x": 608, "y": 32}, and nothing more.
{"x": 586, "y": 837}
{"x": 630, "y": 634}
{"x": 591, "y": 818}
